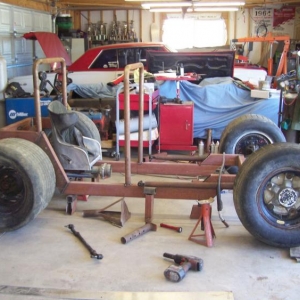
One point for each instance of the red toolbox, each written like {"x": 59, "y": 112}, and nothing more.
{"x": 134, "y": 100}
{"x": 176, "y": 126}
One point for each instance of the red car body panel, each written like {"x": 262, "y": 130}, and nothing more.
{"x": 50, "y": 43}
{"x": 84, "y": 62}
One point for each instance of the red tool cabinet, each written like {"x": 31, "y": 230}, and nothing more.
{"x": 176, "y": 124}
{"x": 134, "y": 100}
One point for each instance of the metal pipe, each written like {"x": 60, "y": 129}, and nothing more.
{"x": 118, "y": 119}
{"x": 36, "y": 85}
{"x": 186, "y": 185}
{"x": 127, "y": 69}
{"x": 138, "y": 232}
{"x": 208, "y": 141}
{"x": 141, "y": 113}
{"x": 179, "y": 157}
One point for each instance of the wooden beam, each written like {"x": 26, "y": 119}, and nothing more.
{"x": 36, "y": 5}
{"x": 76, "y": 16}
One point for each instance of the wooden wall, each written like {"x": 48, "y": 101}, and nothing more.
{"x": 38, "y": 5}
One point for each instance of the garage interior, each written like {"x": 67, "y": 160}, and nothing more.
{"x": 113, "y": 233}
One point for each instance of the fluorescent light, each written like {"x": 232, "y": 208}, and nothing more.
{"x": 223, "y": 4}
{"x": 216, "y": 9}
{"x": 218, "y": 3}
{"x": 203, "y": 9}
{"x": 198, "y": 6}
{"x": 168, "y": 9}
{"x": 166, "y": 4}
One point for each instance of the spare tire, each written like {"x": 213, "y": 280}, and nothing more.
{"x": 248, "y": 133}
{"x": 266, "y": 194}
{"x": 27, "y": 182}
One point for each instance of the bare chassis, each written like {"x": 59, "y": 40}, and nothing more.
{"x": 31, "y": 129}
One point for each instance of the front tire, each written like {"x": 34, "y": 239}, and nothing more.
{"x": 267, "y": 194}
{"x": 248, "y": 133}
{"x": 27, "y": 182}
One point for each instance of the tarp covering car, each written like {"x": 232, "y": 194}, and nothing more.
{"x": 220, "y": 102}
{"x": 217, "y": 102}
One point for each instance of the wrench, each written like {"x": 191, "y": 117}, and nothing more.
{"x": 93, "y": 253}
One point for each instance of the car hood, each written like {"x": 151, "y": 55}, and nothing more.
{"x": 51, "y": 45}
{"x": 207, "y": 64}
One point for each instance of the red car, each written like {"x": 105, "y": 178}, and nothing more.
{"x": 114, "y": 56}
{"x": 105, "y": 63}
{"x": 97, "y": 65}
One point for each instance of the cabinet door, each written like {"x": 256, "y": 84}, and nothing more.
{"x": 176, "y": 124}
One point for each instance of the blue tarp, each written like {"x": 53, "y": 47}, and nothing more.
{"x": 215, "y": 105}
{"x": 217, "y": 101}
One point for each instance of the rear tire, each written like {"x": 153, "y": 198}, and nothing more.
{"x": 248, "y": 133}
{"x": 27, "y": 182}
{"x": 266, "y": 194}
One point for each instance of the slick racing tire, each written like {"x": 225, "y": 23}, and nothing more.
{"x": 266, "y": 194}
{"x": 248, "y": 133}
{"x": 27, "y": 182}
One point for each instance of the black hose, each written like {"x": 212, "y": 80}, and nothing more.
{"x": 219, "y": 199}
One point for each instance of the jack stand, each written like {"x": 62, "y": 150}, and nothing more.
{"x": 206, "y": 225}
{"x": 295, "y": 253}
{"x": 195, "y": 212}
{"x": 71, "y": 204}
{"x": 116, "y": 218}
{"x": 149, "y": 203}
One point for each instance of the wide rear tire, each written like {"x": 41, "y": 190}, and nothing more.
{"x": 267, "y": 194}
{"x": 27, "y": 182}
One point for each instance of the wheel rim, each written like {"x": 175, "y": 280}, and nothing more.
{"x": 12, "y": 190}
{"x": 251, "y": 142}
{"x": 280, "y": 198}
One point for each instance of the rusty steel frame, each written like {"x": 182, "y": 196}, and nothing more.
{"x": 31, "y": 129}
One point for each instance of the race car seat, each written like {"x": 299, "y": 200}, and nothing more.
{"x": 74, "y": 151}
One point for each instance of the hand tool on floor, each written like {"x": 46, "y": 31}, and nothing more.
{"x": 177, "y": 273}
{"x": 138, "y": 232}
{"x": 93, "y": 253}
{"x": 178, "y": 229}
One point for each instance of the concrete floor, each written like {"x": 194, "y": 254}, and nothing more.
{"x": 45, "y": 260}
